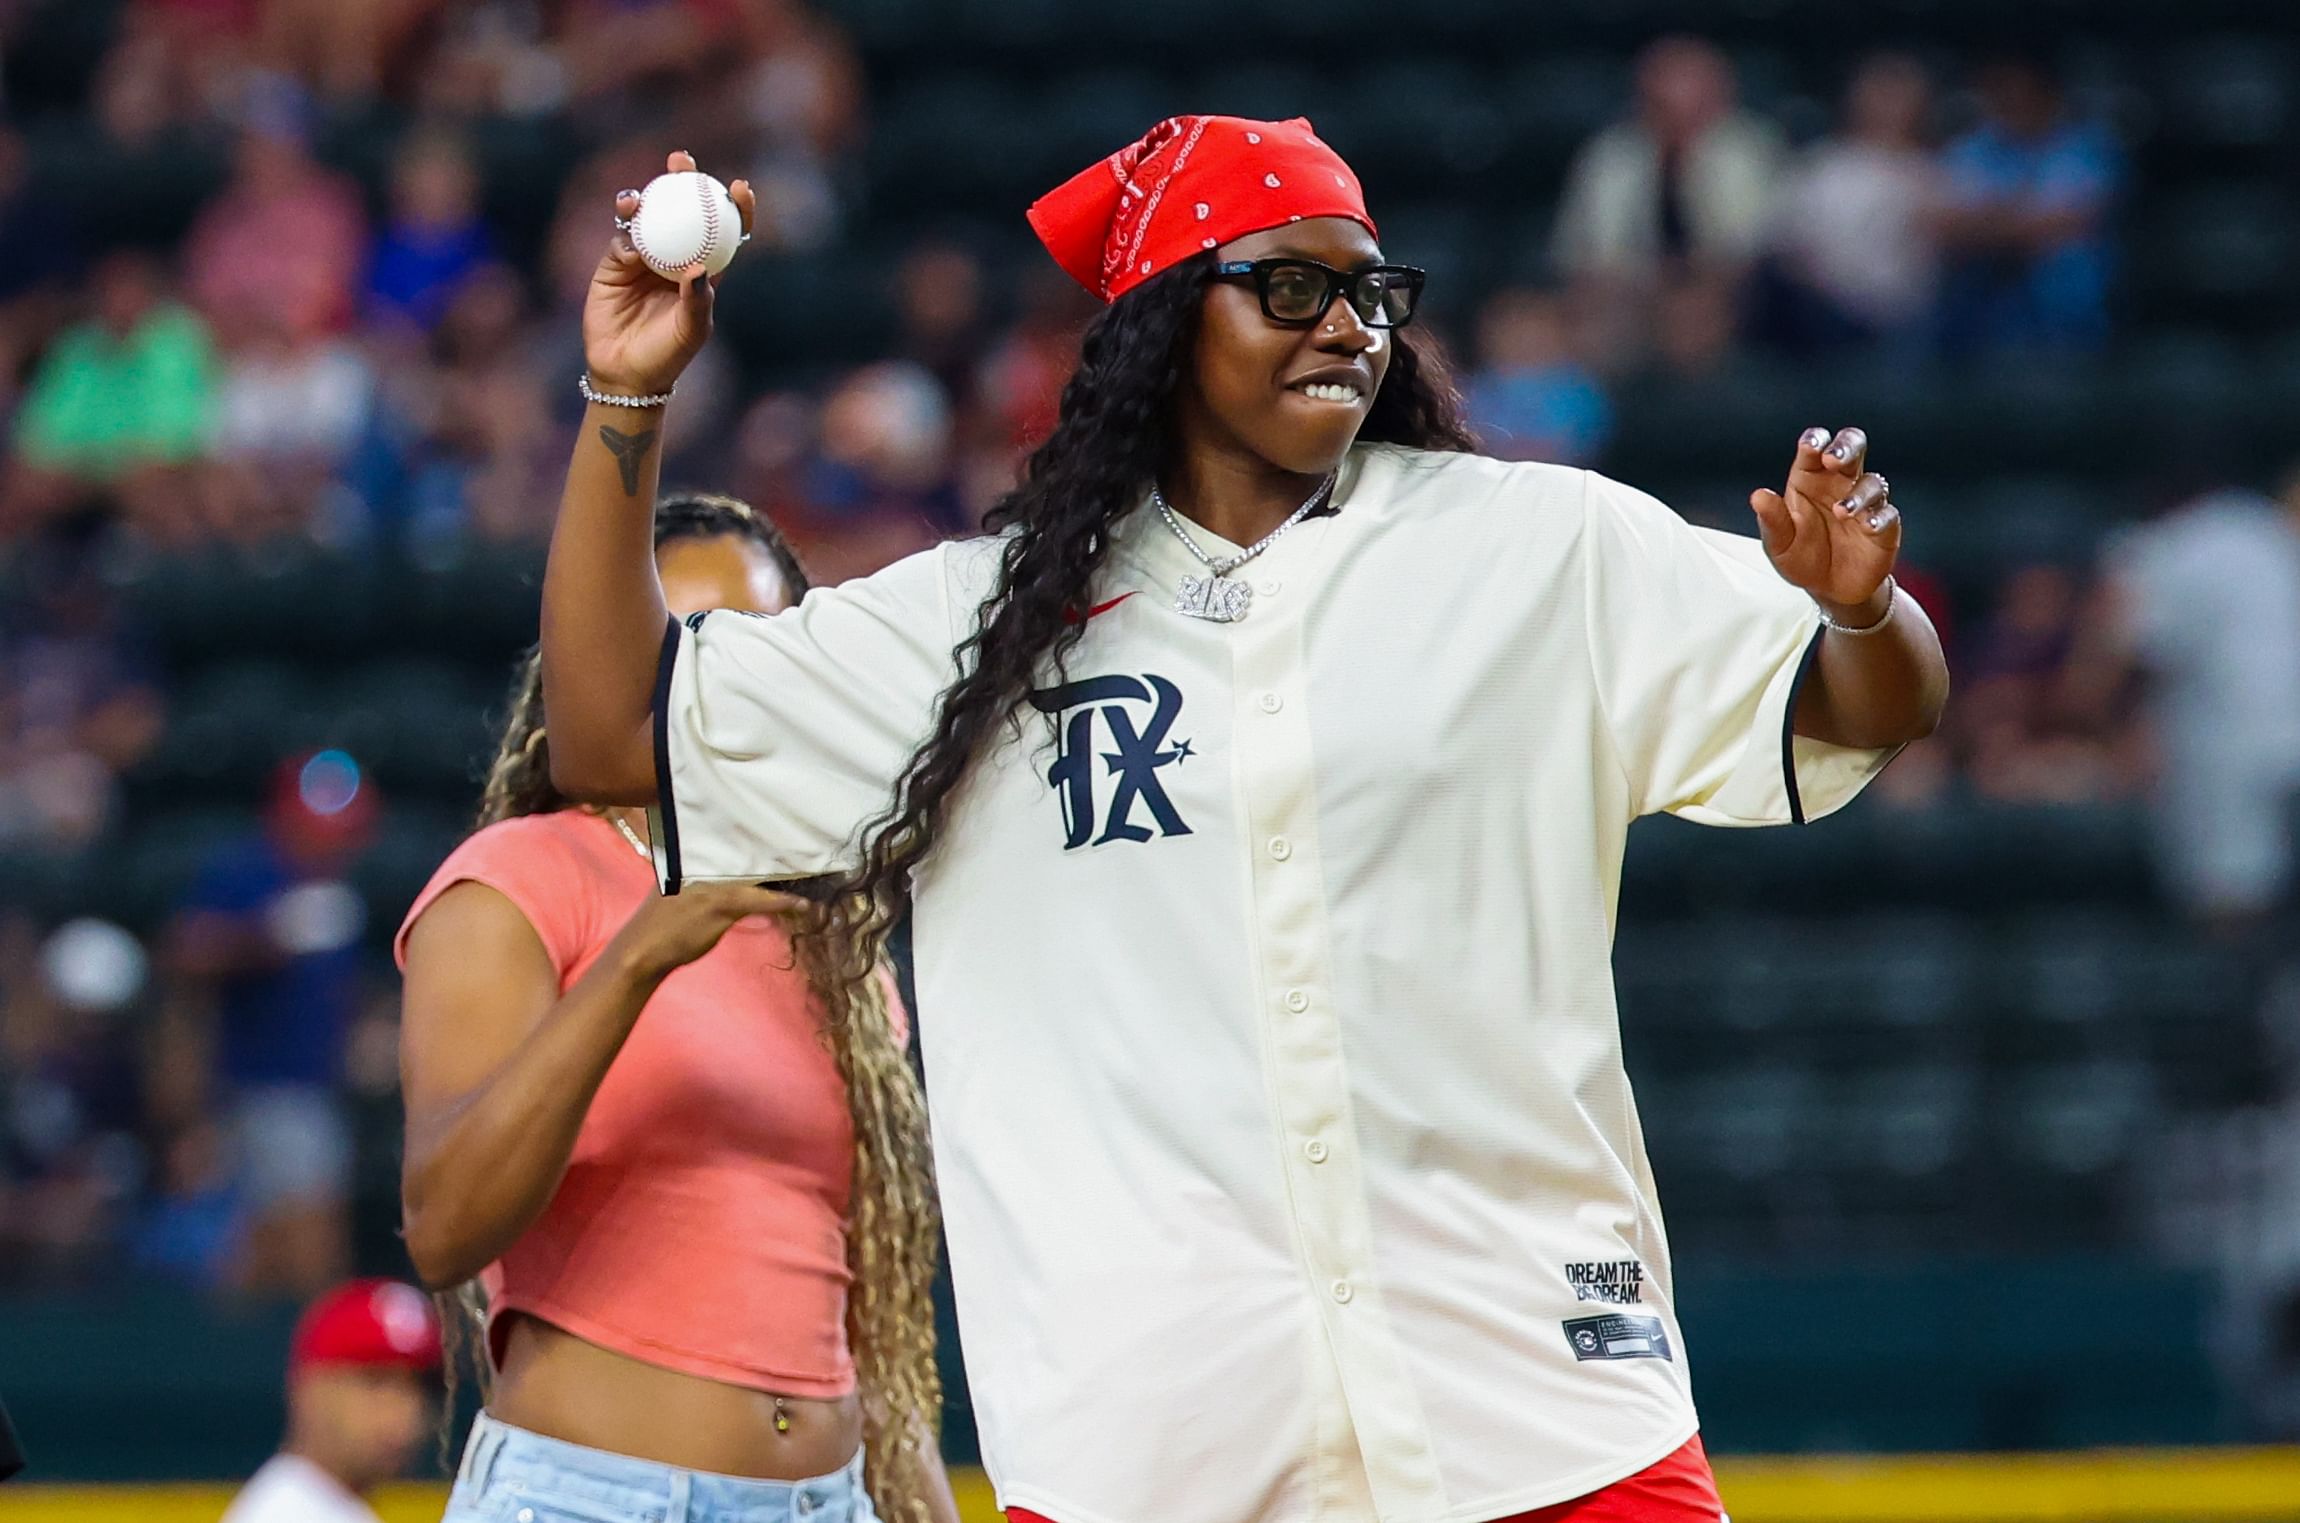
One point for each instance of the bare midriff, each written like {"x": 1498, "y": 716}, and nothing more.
{"x": 556, "y": 1384}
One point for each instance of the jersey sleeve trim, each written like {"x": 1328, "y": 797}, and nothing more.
{"x": 1805, "y": 665}
{"x": 664, "y": 828}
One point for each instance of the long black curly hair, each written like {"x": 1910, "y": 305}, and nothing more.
{"x": 1115, "y": 435}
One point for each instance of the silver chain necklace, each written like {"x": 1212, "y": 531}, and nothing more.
{"x": 1214, "y": 596}
{"x": 632, "y": 836}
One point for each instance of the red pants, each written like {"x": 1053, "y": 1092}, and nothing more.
{"x": 1679, "y": 1489}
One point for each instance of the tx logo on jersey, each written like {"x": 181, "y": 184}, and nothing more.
{"x": 1137, "y": 713}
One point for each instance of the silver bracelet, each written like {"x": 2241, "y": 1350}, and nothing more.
{"x": 1892, "y": 603}
{"x": 583, "y": 384}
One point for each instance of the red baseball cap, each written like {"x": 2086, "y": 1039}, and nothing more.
{"x": 371, "y": 1322}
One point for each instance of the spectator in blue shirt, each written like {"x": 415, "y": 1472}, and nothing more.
{"x": 2026, "y": 224}
{"x": 1532, "y": 396}
{"x": 434, "y": 238}
{"x": 272, "y": 931}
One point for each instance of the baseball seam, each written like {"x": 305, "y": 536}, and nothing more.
{"x": 639, "y": 239}
{"x": 709, "y": 205}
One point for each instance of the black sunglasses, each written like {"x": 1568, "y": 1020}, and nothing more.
{"x": 1296, "y": 292}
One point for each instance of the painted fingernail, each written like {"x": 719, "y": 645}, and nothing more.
{"x": 1815, "y": 438}
{"x": 1876, "y": 520}
{"x": 1840, "y": 453}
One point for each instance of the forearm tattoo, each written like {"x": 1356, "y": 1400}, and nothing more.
{"x": 629, "y": 450}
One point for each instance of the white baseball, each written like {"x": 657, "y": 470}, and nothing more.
{"x": 686, "y": 219}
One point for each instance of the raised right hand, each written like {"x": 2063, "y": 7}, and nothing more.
{"x": 639, "y": 329}
{"x": 669, "y": 932}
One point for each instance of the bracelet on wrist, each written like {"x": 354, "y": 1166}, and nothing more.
{"x": 606, "y": 399}
{"x": 1892, "y": 604}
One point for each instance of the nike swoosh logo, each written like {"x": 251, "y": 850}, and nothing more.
{"x": 1072, "y": 616}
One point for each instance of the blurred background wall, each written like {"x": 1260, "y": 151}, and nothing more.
{"x": 1974, "y": 1110}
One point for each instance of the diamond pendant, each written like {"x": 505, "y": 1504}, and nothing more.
{"x": 1215, "y": 598}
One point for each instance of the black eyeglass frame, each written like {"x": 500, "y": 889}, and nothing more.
{"x": 1338, "y": 283}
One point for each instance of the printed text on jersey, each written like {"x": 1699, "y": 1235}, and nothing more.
{"x": 1137, "y": 713}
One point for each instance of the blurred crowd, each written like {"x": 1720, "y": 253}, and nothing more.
{"x": 204, "y": 1106}
{"x": 387, "y": 361}
{"x": 316, "y": 359}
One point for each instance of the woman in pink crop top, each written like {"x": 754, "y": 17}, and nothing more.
{"x": 626, "y": 1128}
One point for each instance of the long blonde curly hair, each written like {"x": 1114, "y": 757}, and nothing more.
{"x": 893, "y": 1229}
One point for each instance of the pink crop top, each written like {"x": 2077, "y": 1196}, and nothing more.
{"x": 701, "y": 1222}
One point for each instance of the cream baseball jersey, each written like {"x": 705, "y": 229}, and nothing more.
{"x": 1288, "y": 1161}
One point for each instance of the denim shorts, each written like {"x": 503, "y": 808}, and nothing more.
{"x": 509, "y": 1475}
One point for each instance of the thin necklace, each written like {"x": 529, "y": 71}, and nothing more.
{"x": 1214, "y": 596}
{"x": 632, "y": 836}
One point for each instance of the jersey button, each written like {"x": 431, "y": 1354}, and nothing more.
{"x": 1342, "y": 1291}
{"x": 1315, "y": 1149}
{"x": 1297, "y": 1001}
{"x": 1281, "y": 848}
{"x": 1269, "y": 586}
{"x": 1271, "y": 703}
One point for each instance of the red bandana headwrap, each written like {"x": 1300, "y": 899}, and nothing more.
{"x": 1192, "y": 183}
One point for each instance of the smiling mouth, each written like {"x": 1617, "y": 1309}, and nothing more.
{"x": 1331, "y": 391}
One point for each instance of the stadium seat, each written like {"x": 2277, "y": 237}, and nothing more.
{"x": 1945, "y": 1351}
{"x": 2275, "y": 383}
{"x": 1922, "y": 970}
{"x": 2017, "y": 410}
{"x": 472, "y": 601}
{"x": 2179, "y": 383}
{"x": 1666, "y": 984}
{"x": 1763, "y": 981}
{"x": 1035, "y": 29}
{"x": 421, "y": 727}
{"x": 1272, "y": 91}
{"x": 393, "y": 870}
{"x": 2207, "y": 1035}
{"x": 227, "y": 730}
{"x": 48, "y": 883}
{"x": 1739, "y": 1126}
{"x": 1745, "y": 418}
{"x": 147, "y": 875}
{"x": 790, "y": 314}
{"x": 879, "y": 26}
{"x": 1974, "y": 536}
{"x": 1659, "y": 871}
{"x": 1089, "y": 113}
{"x": 1551, "y": 103}
{"x": 1417, "y": 124}
{"x": 1989, "y": 858}
{"x": 2070, "y": 969}
{"x": 2222, "y": 253}
{"x": 282, "y": 600}
{"x": 2079, "y": 1119}
{"x": 910, "y": 165}
{"x": 2230, "y": 92}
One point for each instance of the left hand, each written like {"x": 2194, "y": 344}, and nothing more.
{"x": 1835, "y": 531}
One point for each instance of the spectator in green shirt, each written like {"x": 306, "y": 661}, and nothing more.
{"x": 131, "y": 386}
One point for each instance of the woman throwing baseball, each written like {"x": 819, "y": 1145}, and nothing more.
{"x": 1259, "y": 787}
{"x": 705, "y": 1235}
